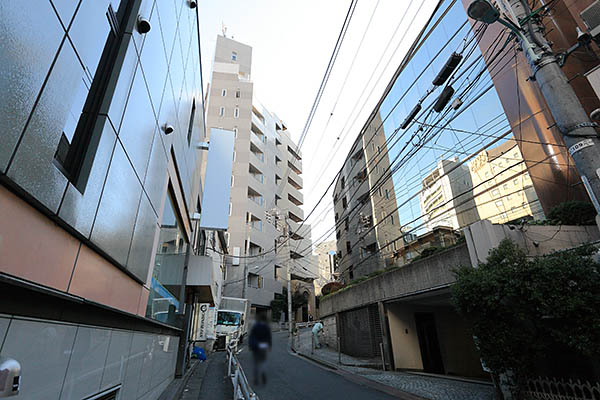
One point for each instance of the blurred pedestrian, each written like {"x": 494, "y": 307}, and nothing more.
{"x": 318, "y": 327}
{"x": 260, "y": 343}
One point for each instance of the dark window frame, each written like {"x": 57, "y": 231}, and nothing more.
{"x": 75, "y": 159}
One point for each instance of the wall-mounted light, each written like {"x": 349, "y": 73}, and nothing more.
{"x": 143, "y": 25}
{"x": 168, "y": 129}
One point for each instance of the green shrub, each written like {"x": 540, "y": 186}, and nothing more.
{"x": 521, "y": 308}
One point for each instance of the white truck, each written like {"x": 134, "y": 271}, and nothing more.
{"x": 232, "y": 320}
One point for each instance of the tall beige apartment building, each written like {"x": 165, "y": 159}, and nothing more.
{"x": 503, "y": 190}
{"x": 266, "y": 180}
{"x": 368, "y": 229}
{"x": 325, "y": 255}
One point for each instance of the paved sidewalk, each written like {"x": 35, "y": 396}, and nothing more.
{"x": 427, "y": 387}
{"x": 209, "y": 381}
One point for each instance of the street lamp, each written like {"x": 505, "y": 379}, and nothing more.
{"x": 486, "y": 12}
{"x": 483, "y": 11}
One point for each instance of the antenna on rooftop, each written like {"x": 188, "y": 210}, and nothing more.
{"x": 224, "y": 29}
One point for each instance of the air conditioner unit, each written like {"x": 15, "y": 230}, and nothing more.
{"x": 591, "y": 17}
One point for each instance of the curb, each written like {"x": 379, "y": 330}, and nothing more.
{"x": 351, "y": 376}
{"x": 316, "y": 360}
{"x": 175, "y": 388}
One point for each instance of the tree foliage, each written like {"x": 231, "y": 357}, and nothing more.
{"x": 572, "y": 213}
{"x": 521, "y": 308}
{"x": 280, "y": 303}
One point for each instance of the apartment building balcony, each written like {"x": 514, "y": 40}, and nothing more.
{"x": 255, "y": 197}
{"x": 257, "y": 153}
{"x": 291, "y": 191}
{"x": 296, "y": 217}
{"x": 294, "y": 200}
{"x": 295, "y": 210}
{"x": 264, "y": 294}
{"x": 257, "y": 137}
{"x": 254, "y": 223}
{"x": 294, "y": 167}
{"x": 255, "y": 173}
{"x": 296, "y": 157}
{"x": 255, "y": 209}
{"x": 294, "y": 164}
{"x": 295, "y": 177}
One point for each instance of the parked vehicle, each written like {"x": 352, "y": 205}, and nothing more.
{"x": 232, "y": 320}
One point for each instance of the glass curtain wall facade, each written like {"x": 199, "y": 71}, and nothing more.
{"x": 90, "y": 182}
{"x": 456, "y": 149}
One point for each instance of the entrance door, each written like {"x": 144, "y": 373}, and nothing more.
{"x": 429, "y": 344}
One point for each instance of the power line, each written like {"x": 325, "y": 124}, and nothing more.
{"x": 332, "y": 60}
{"x": 356, "y": 53}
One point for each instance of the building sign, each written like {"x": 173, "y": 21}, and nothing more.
{"x": 479, "y": 161}
{"x": 217, "y": 181}
{"x": 203, "y": 319}
{"x": 211, "y": 329}
{"x": 582, "y": 144}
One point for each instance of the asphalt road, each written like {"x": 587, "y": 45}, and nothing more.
{"x": 291, "y": 377}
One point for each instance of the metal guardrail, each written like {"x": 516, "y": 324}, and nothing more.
{"x": 241, "y": 388}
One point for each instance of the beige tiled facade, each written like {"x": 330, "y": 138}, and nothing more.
{"x": 267, "y": 179}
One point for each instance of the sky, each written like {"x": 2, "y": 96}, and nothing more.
{"x": 292, "y": 43}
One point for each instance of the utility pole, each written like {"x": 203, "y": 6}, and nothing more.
{"x": 281, "y": 225}
{"x": 245, "y": 278}
{"x": 578, "y": 131}
{"x": 289, "y": 281}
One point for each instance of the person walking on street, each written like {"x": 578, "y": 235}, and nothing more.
{"x": 260, "y": 343}
{"x": 318, "y": 327}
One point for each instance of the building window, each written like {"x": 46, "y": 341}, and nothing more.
{"x": 76, "y": 149}
{"x": 499, "y": 203}
{"x": 191, "y": 125}
{"x": 224, "y": 92}
{"x": 164, "y": 301}
{"x": 346, "y": 224}
{"x": 392, "y": 219}
{"x": 234, "y": 156}
{"x": 233, "y": 56}
{"x": 235, "y": 132}
{"x": 387, "y": 194}
{"x": 351, "y": 272}
{"x": 230, "y": 209}
{"x": 221, "y": 111}
{"x": 495, "y": 192}
{"x": 232, "y": 178}
{"x": 238, "y": 93}
{"x": 343, "y": 182}
{"x": 348, "y": 248}
{"x": 344, "y": 202}
{"x": 236, "y": 113}
{"x": 515, "y": 182}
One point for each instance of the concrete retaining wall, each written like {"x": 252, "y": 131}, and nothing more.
{"x": 429, "y": 273}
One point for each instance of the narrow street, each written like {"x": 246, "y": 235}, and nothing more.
{"x": 292, "y": 377}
